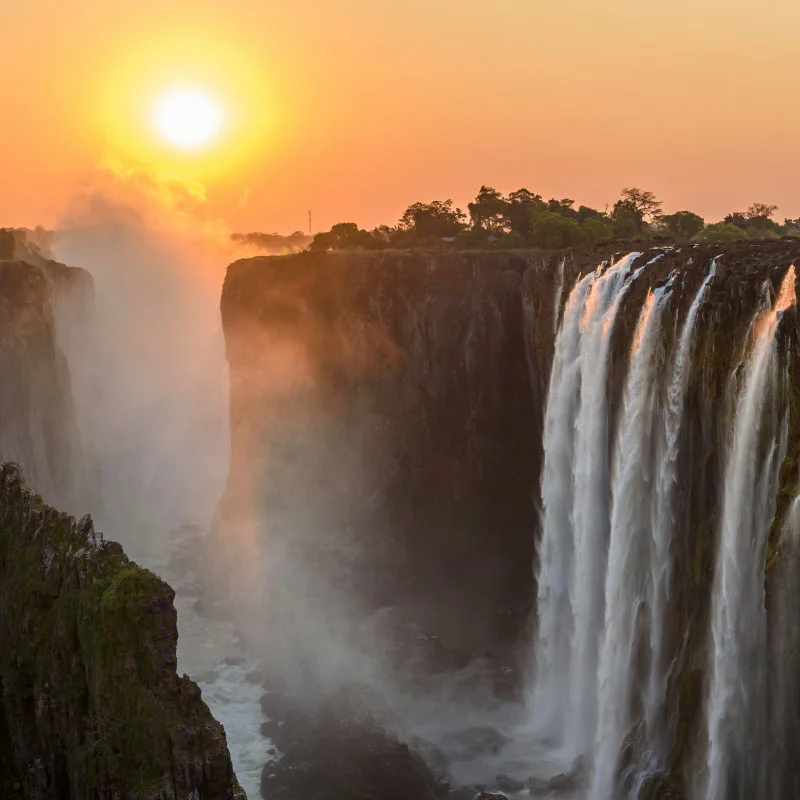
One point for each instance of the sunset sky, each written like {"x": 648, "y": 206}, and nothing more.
{"x": 356, "y": 108}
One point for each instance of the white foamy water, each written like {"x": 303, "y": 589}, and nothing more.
{"x": 629, "y": 553}
{"x": 736, "y": 704}
{"x": 233, "y": 700}
{"x": 204, "y": 646}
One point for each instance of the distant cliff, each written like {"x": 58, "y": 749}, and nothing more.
{"x": 397, "y": 398}
{"x": 37, "y": 415}
{"x": 91, "y": 706}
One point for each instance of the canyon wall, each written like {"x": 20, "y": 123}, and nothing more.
{"x": 387, "y": 410}
{"x": 91, "y": 705}
{"x": 38, "y": 427}
{"x": 394, "y": 402}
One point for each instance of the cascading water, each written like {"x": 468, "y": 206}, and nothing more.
{"x": 606, "y": 555}
{"x": 736, "y": 704}
{"x": 629, "y": 557}
{"x": 590, "y": 507}
{"x": 556, "y": 557}
{"x": 574, "y": 489}
{"x": 664, "y": 523}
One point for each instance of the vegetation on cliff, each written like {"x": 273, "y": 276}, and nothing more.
{"x": 524, "y": 219}
{"x": 91, "y": 705}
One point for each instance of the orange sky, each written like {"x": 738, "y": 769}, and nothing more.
{"x": 356, "y": 108}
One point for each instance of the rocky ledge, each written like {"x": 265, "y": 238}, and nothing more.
{"x": 91, "y": 705}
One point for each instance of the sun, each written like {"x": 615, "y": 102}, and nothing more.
{"x": 188, "y": 118}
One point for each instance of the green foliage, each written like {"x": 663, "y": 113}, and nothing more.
{"x": 585, "y": 212}
{"x": 438, "y": 218}
{"x": 489, "y": 211}
{"x": 521, "y": 208}
{"x": 647, "y": 207}
{"x": 553, "y": 231}
{"x": 597, "y": 229}
{"x": 721, "y": 232}
{"x": 342, "y": 236}
{"x": 92, "y": 637}
{"x": 524, "y": 219}
{"x": 683, "y": 224}
{"x": 512, "y": 241}
{"x": 627, "y": 220}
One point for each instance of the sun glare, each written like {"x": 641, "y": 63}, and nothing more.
{"x": 188, "y": 118}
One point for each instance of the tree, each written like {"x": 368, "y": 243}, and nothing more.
{"x": 683, "y": 224}
{"x": 760, "y": 222}
{"x": 761, "y": 211}
{"x": 645, "y": 203}
{"x": 596, "y": 229}
{"x": 488, "y": 211}
{"x": 521, "y": 208}
{"x": 438, "y": 218}
{"x": 721, "y": 232}
{"x": 341, "y": 236}
{"x": 737, "y": 218}
{"x": 563, "y": 207}
{"x": 553, "y": 231}
{"x": 585, "y": 212}
{"x": 627, "y": 220}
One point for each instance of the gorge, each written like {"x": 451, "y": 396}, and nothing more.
{"x": 531, "y": 514}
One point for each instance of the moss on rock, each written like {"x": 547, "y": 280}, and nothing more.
{"x": 91, "y": 705}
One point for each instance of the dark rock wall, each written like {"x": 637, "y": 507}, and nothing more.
{"x": 393, "y": 393}
{"x": 91, "y": 705}
{"x": 437, "y": 366}
{"x": 37, "y": 416}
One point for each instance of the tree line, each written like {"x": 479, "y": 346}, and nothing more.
{"x": 523, "y": 219}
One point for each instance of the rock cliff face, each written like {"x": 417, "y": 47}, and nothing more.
{"x": 398, "y": 399}
{"x": 91, "y": 706}
{"x": 37, "y": 415}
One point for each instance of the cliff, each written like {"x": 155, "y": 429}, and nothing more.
{"x": 396, "y": 401}
{"x": 91, "y": 705}
{"x": 387, "y": 398}
{"x": 37, "y": 415}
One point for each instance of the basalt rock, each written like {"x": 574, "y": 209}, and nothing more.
{"x": 405, "y": 392}
{"x": 335, "y": 749}
{"x": 91, "y": 705}
{"x": 38, "y": 427}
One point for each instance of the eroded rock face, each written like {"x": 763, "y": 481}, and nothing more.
{"x": 91, "y": 705}
{"x": 388, "y": 398}
{"x": 37, "y": 415}
{"x": 338, "y": 749}
{"x": 399, "y": 398}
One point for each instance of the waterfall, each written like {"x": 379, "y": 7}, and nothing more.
{"x": 629, "y": 560}
{"x": 590, "y": 515}
{"x": 559, "y": 292}
{"x": 736, "y": 704}
{"x": 575, "y": 497}
{"x": 556, "y": 553}
{"x": 664, "y": 524}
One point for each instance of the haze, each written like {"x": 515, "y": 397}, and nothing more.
{"x": 356, "y": 108}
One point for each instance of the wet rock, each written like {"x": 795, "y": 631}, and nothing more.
{"x": 508, "y": 784}
{"x": 562, "y": 782}
{"x": 475, "y": 742}
{"x": 658, "y": 787}
{"x": 256, "y": 677}
{"x": 334, "y": 748}
{"x": 433, "y": 755}
{"x": 94, "y": 639}
{"x": 538, "y": 787}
